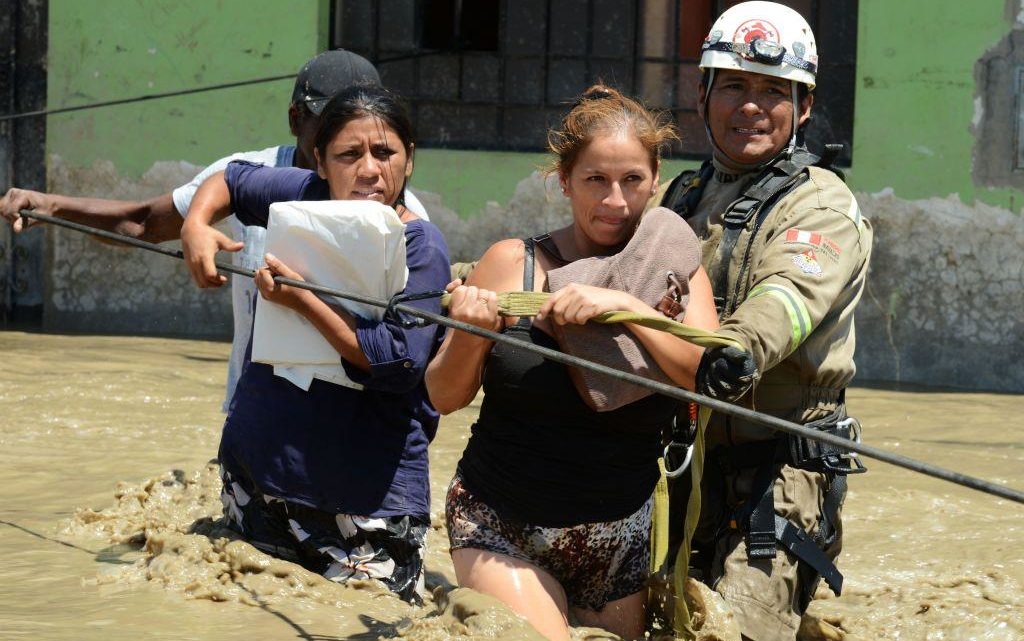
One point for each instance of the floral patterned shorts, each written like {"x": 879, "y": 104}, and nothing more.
{"x": 338, "y": 546}
{"x": 596, "y": 563}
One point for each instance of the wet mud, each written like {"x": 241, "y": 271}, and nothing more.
{"x": 109, "y": 511}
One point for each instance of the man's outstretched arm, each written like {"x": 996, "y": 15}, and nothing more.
{"x": 154, "y": 220}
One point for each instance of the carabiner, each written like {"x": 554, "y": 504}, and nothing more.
{"x": 678, "y": 471}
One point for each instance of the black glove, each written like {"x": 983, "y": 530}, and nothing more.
{"x": 725, "y": 373}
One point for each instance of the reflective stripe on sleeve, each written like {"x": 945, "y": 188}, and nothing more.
{"x": 853, "y": 213}
{"x": 795, "y": 307}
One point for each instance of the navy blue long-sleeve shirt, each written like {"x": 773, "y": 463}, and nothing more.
{"x": 335, "y": 448}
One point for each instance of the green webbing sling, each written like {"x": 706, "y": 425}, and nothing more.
{"x": 529, "y": 303}
{"x": 659, "y": 521}
{"x": 681, "y": 621}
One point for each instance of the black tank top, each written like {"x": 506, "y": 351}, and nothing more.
{"x": 538, "y": 454}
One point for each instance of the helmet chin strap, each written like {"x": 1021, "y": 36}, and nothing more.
{"x": 707, "y": 125}
{"x": 794, "y": 94}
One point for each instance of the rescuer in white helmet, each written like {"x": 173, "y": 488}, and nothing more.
{"x": 787, "y": 250}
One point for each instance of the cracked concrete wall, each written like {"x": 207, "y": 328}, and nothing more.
{"x": 916, "y": 97}
{"x": 945, "y": 297}
{"x": 104, "y": 51}
{"x": 94, "y": 287}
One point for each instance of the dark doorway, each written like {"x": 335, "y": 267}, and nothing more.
{"x": 23, "y": 24}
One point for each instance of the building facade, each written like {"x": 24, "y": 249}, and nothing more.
{"x": 926, "y": 96}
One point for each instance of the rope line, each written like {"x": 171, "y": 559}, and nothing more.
{"x": 679, "y": 394}
{"x": 186, "y": 92}
{"x": 143, "y": 98}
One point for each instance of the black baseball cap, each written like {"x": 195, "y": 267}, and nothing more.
{"x": 327, "y": 74}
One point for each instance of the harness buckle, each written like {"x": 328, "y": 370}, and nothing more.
{"x": 671, "y": 301}
{"x": 740, "y": 212}
{"x": 761, "y": 545}
{"x": 679, "y": 451}
{"x": 852, "y": 463}
{"x": 816, "y": 456}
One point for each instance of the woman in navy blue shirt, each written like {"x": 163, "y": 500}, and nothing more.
{"x": 332, "y": 477}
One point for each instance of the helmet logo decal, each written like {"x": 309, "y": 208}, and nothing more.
{"x": 751, "y": 29}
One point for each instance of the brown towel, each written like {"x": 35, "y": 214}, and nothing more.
{"x": 663, "y": 243}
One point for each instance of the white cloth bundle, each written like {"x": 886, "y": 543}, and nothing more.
{"x": 355, "y": 246}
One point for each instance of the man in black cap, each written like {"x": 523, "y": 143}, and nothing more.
{"x": 318, "y": 80}
{"x": 159, "y": 219}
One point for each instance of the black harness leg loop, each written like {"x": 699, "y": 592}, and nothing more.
{"x": 761, "y": 531}
{"x": 803, "y": 547}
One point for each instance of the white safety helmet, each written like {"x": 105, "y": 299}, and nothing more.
{"x": 766, "y": 38}
{"x": 762, "y": 37}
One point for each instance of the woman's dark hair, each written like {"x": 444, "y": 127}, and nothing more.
{"x": 360, "y": 101}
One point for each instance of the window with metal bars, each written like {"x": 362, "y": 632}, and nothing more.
{"x": 496, "y": 74}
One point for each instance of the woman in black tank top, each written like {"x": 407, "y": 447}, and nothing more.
{"x": 550, "y": 508}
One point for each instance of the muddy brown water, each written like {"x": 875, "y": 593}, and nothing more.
{"x": 108, "y": 508}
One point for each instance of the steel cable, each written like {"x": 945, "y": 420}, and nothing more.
{"x": 677, "y": 393}
{"x": 185, "y": 92}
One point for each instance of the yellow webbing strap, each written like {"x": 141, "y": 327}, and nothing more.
{"x": 681, "y": 618}
{"x": 695, "y": 335}
{"x": 659, "y": 521}
{"x": 529, "y": 303}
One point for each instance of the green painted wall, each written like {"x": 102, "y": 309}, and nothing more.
{"x": 915, "y": 96}
{"x": 110, "y": 49}
{"x": 467, "y": 180}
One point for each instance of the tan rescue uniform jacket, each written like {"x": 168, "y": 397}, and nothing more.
{"x": 794, "y": 309}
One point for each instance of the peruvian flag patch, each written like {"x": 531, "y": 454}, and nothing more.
{"x": 805, "y": 237}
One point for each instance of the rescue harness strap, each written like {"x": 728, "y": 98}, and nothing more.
{"x": 529, "y": 303}
{"x": 679, "y": 394}
{"x": 764, "y": 527}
